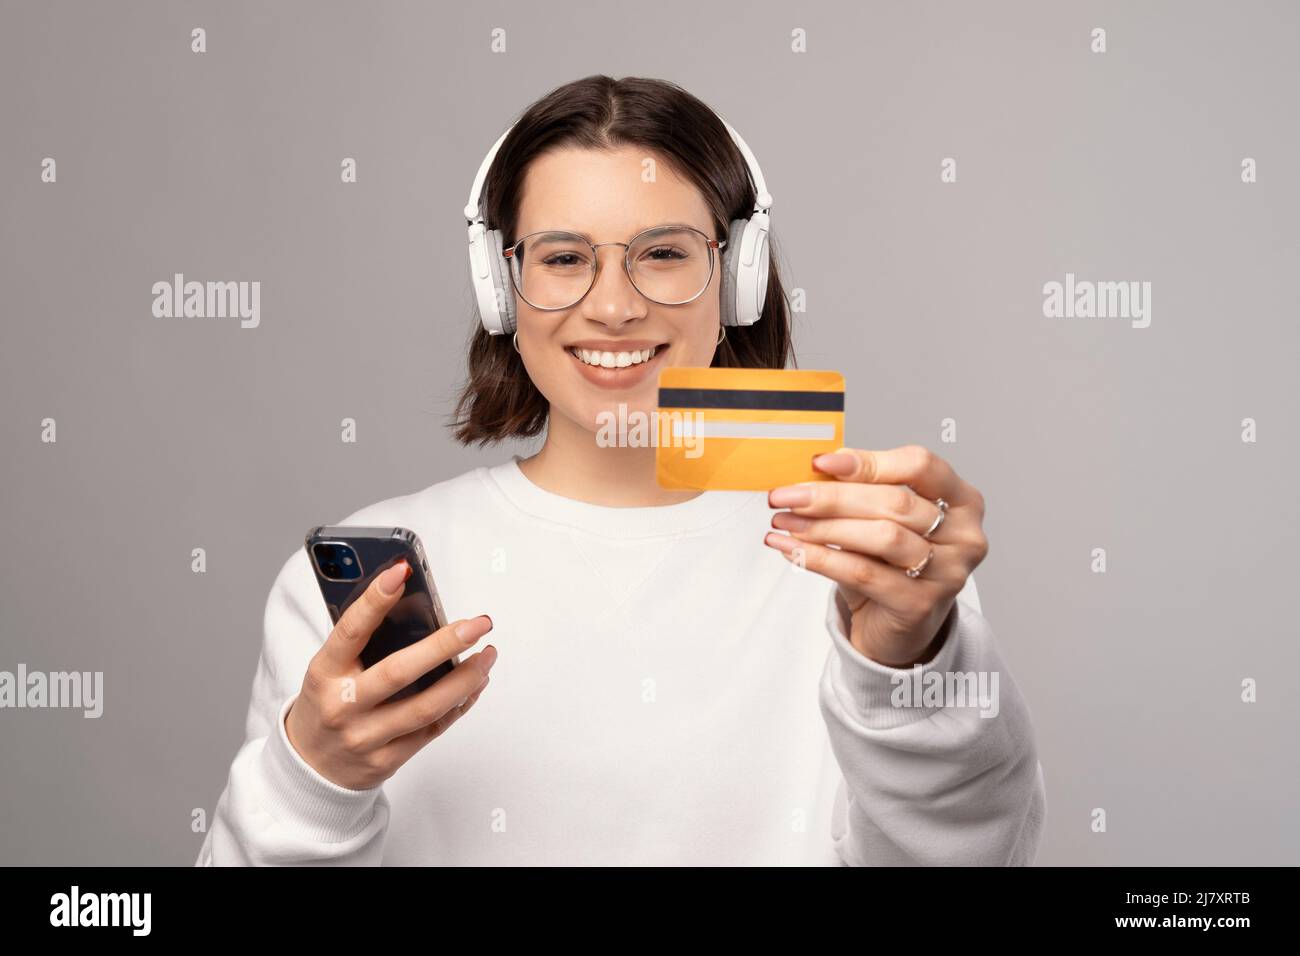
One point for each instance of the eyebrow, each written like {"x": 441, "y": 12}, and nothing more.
{"x": 662, "y": 225}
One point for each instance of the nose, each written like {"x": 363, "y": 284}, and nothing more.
{"x": 613, "y": 300}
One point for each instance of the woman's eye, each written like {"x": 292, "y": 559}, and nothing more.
{"x": 562, "y": 259}
{"x": 665, "y": 253}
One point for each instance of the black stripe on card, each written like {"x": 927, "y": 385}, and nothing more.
{"x": 751, "y": 398}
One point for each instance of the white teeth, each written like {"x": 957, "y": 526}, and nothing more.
{"x": 614, "y": 359}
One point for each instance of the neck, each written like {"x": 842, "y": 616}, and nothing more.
{"x": 570, "y": 463}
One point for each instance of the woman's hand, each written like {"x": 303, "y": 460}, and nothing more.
{"x": 340, "y": 723}
{"x": 876, "y": 514}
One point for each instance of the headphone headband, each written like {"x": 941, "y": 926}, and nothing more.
{"x": 474, "y": 211}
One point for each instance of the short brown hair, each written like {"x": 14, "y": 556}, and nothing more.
{"x": 498, "y": 400}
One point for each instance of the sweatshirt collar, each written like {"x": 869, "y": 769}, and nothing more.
{"x": 706, "y": 508}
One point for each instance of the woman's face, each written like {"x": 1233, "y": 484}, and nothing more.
{"x": 601, "y": 194}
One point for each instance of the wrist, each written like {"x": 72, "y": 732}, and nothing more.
{"x": 940, "y": 638}
{"x": 927, "y": 654}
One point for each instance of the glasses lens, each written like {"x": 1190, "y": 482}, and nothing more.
{"x": 671, "y": 266}
{"x": 553, "y": 270}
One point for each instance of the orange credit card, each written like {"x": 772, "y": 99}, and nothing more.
{"x": 746, "y": 429}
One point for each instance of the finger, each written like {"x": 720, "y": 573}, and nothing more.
{"x": 386, "y": 677}
{"x": 392, "y": 720}
{"x": 350, "y": 635}
{"x": 886, "y": 540}
{"x": 401, "y": 749}
{"x": 929, "y": 475}
{"x": 897, "y": 503}
{"x": 879, "y": 581}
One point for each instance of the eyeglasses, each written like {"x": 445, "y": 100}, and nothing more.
{"x": 670, "y": 265}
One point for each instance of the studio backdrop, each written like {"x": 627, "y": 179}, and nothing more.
{"x": 1055, "y": 243}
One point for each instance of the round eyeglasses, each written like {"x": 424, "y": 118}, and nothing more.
{"x": 670, "y": 265}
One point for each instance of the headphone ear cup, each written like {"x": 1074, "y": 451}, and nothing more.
{"x": 730, "y": 263}
{"x": 763, "y": 255}
{"x": 742, "y": 301}
{"x": 502, "y": 287}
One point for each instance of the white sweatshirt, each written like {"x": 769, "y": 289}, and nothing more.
{"x": 669, "y": 690}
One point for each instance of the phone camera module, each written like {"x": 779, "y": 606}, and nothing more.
{"x": 338, "y": 562}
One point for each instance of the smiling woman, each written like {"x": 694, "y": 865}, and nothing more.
{"x": 670, "y": 690}
{"x": 608, "y": 164}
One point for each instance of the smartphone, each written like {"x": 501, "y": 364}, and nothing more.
{"x": 346, "y": 560}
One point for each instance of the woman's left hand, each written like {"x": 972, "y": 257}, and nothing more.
{"x": 876, "y": 513}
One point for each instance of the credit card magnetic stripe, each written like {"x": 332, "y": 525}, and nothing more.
{"x": 783, "y": 399}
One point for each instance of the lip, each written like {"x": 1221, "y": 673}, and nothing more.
{"x": 615, "y": 345}
{"x": 615, "y": 378}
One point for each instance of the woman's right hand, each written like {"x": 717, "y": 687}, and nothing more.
{"x": 340, "y": 723}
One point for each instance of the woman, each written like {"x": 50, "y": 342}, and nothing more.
{"x": 679, "y": 683}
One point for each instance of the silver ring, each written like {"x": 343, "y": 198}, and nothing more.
{"x": 943, "y": 513}
{"x": 916, "y": 571}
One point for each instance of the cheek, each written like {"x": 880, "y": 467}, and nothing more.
{"x": 543, "y": 358}
{"x": 697, "y": 333}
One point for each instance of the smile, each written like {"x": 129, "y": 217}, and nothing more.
{"x": 613, "y": 359}
{"x": 616, "y": 368}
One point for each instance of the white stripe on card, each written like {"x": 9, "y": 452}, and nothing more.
{"x": 817, "y": 431}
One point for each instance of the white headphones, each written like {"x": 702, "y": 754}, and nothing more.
{"x": 744, "y": 257}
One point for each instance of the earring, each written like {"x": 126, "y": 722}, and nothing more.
{"x": 516, "y": 341}
{"x": 722, "y": 334}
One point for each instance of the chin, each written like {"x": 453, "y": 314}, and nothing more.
{"x": 598, "y": 412}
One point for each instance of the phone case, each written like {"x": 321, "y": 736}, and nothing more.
{"x": 417, "y": 614}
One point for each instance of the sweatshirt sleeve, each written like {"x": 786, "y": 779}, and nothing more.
{"x": 276, "y": 809}
{"x": 930, "y": 778}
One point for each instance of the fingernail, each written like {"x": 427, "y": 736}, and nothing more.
{"x": 793, "y": 496}
{"x": 781, "y": 542}
{"x": 471, "y": 630}
{"x": 788, "y": 522}
{"x": 391, "y": 581}
{"x": 836, "y": 463}
{"x": 490, "y": 656}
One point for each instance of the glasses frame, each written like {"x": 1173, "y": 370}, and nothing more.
{"x": 509, "y": 254}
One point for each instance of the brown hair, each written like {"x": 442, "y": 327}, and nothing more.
{"x": 499, "y": 400}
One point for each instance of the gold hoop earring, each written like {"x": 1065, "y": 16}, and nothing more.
{"x": 516, "y": 341}
{"x": 722, "y": 334}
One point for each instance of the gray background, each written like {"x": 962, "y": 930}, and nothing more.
{"x": 1082, "y": 433}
